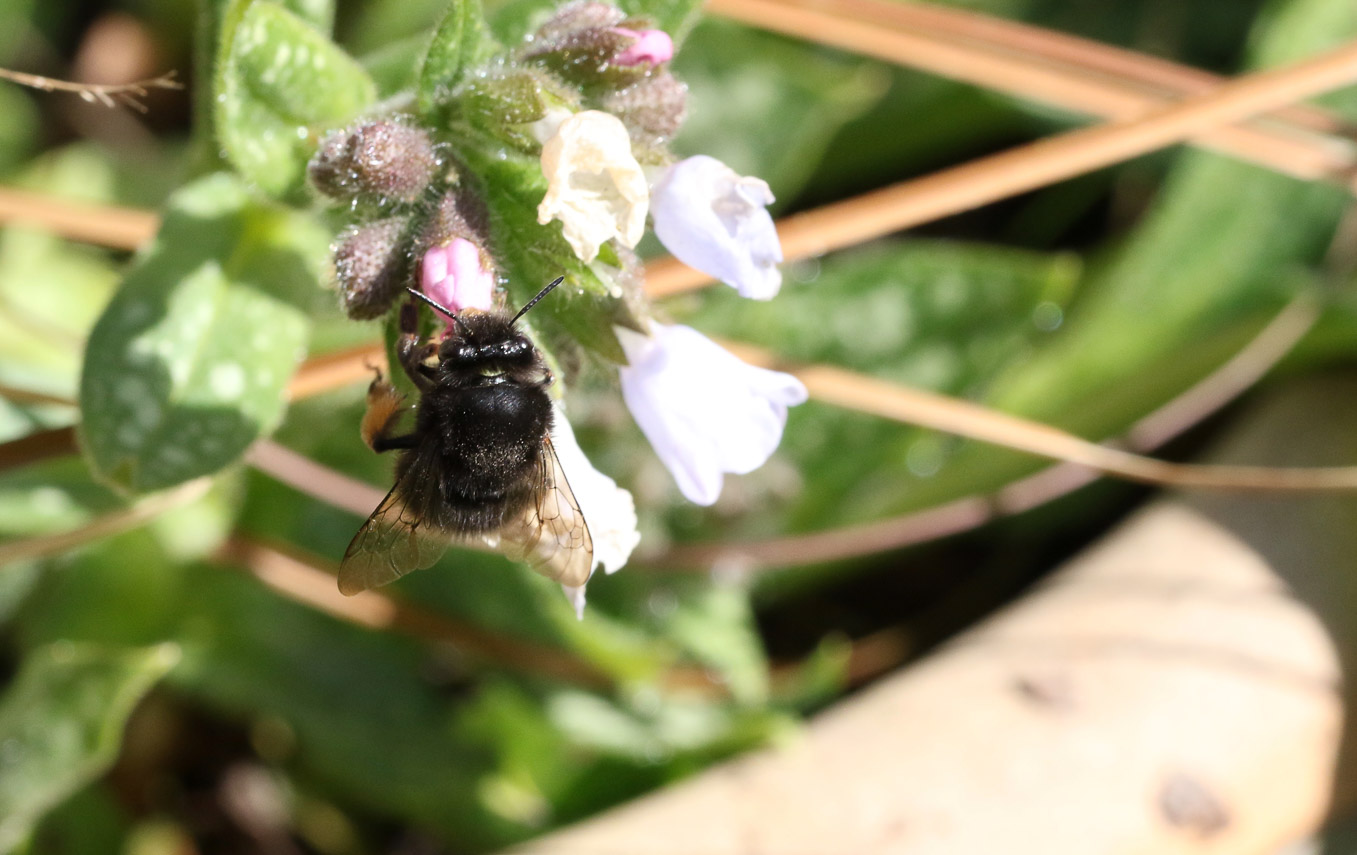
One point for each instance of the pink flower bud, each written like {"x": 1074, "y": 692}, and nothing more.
{"x": 452, "y": 275}
{"x": 651, "y": 46}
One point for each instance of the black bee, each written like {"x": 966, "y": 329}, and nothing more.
{"x": 479, "y": 462}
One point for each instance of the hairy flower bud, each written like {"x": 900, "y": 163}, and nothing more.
{"x": 372, "y": 268}
{"x": 458, "y": 213}
{"x": 378, "y": 160}
{"x": 573, "y": 18}
{"x": 653, "y": 108}
{"x": 591, "y": 43}
{"x": 506, "y": 104}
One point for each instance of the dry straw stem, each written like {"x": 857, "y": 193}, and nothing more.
{"x": 105, "y": 525}
{"x": 335, "y": 370}
{"x": 1207, "y": 396}
{"x": 36, "y": 447}
{"x": 110, "y": 95}
{"x": 1018, "y": 170}
{"x": 312, "y": 582}
{"x": 309, "y": 581}
{"x": 28, "y": 397}
{"x": 103, "y": 225}
{"x": 1046, "y": 66}
{"x": 315, "y": 480}
{"x": 864, "y": 394}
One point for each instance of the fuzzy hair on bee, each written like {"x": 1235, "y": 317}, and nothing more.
{"x": 478, "y": 463}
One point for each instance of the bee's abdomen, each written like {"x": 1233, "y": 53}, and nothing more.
{"x": 491, "y": 445}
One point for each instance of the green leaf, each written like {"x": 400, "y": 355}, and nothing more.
{"x": 318, "y": 13}
{"x": 280, "y": 84}
{"x": 61, "y": 724}
{"x": 122, "y": 591}
{"x": 216, "y": 17}
{"x": 458, "y": 43}
{"x": 394, "y": 67}
{"x": 91, "y": 822}
{"x": 188, "y": 364}
{"x": 717, "y": 629}
{"x": 366, "y": 720}
{"x": 39, "y": 324}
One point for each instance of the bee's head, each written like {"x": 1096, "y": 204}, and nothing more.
{"x": 487, "y": 346}
{"x": 486, "y": 341}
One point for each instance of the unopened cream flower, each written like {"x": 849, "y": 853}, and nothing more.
{"x": 595, "y": 186}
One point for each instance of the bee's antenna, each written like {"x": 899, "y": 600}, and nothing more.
{"x": 540, "y": 294}
{"x": 440, "y": 307}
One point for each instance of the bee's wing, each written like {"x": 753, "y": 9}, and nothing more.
{"x": 395, "y": 540}
{"x": 551, "y": 535}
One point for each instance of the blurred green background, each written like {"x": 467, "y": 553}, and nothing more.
{"x": 160, "y": 699}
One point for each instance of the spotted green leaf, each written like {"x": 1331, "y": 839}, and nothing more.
{"x": 61, "y": 723}
{"x": 280, "y": 84}
{"x": 459, "y": 41}
{"x": 188, "y": 364}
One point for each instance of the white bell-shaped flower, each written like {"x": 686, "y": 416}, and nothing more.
{"x": 704, "y": 411}
{"x": 608, "y": 509}
{"x": 716, "y": 221}
{"x": 595, "y": 187}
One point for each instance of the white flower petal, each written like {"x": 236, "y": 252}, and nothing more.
{"x": 608, "y": 508}
{"x": 714, "y": 220}
{"x": 704, "y": 411}
{"x": 595, "y": 187}
{"x": 576, "y": 597}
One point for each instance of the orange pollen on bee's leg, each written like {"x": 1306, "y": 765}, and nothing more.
{"x": 384, "y": 404}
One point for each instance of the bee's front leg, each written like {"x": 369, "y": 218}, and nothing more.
{"x": 417, "y": 358}
{"x": 383, "y": 411}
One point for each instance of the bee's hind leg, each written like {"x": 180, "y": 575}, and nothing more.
{"x": 385, "y": 406}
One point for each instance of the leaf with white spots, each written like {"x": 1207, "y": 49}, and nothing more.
{"x": 189, "y": 363}
{"x": 459, "y": 41}
{"x": 61, "y": 723}
{"x": 280, "y": 85}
